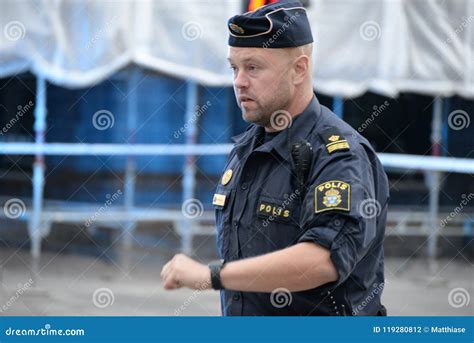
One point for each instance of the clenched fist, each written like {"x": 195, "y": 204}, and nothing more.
{"x": 182, "y": 271}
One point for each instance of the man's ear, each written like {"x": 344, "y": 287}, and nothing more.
{"x": 301, "y": 69}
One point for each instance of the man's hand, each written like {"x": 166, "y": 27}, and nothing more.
{"x": 183, "y": 271}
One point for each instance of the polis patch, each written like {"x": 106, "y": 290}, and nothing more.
{"x": 271, "y": 210}
{"x": 332, "y": 195}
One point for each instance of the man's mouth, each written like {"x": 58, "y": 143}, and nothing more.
{"x": 245, "y": 99}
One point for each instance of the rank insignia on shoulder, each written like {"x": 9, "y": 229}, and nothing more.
{"x": 332, "y": 195}
{"x": 334, "y": 140}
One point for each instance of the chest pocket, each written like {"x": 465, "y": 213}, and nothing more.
{"x": 222, "y": 202}
{"x": 277, "y": 223}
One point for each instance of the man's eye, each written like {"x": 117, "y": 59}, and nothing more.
{"x": 252, "y": 67}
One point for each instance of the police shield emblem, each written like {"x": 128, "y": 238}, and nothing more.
{"x": 332, "y": 195}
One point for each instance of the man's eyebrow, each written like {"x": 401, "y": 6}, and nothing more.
{"x": 245, "y": 60}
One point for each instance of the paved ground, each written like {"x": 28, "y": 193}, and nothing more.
{"x": 67, "y": 282}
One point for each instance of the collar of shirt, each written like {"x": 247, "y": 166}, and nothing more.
{"x": 301, "y": 126}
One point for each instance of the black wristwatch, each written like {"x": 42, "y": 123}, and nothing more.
{"x": 215, "y": 268}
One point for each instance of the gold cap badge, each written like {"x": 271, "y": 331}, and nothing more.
{"x": 236, "y": 28}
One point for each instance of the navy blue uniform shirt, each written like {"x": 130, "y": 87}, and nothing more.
{"x": 343, "y": 208}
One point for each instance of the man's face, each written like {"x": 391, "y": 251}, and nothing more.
{"x": 261, "y": 82}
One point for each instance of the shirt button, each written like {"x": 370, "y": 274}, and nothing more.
{"x": 236, "y": 297}
{"x": 337, "y": 223}
{"x": 244, "y": 186}
{"x": 236, "y": 224}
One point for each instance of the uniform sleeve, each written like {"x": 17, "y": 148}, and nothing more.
{"x": 339, "y": 210}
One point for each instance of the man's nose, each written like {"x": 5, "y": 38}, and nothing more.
{"x": 241, "y": 80}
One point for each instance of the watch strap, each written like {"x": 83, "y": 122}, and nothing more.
{"x": 216, "y": 268}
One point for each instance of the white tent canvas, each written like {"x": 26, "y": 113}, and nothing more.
{"x": 386, "y": 46}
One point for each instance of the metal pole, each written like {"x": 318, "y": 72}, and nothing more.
{"x": 34, "y": 227}
{"x": 434, "y": 183}
{"x": 189, "y": 175}
{"x": 338, "y": 106}
{"x": 130, "y": 169}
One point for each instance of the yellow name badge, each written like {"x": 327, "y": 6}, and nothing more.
{"x": 219, "y": 199}
{"x": 332, "y": 195}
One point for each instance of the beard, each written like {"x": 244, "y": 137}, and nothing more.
{"x": 260, "y": 111}
{"x": 256, "y": 116}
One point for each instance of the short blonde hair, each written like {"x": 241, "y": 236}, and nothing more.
{"x": 306, "y": 49}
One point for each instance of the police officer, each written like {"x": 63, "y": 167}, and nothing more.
{"x": 302, "y": 203}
